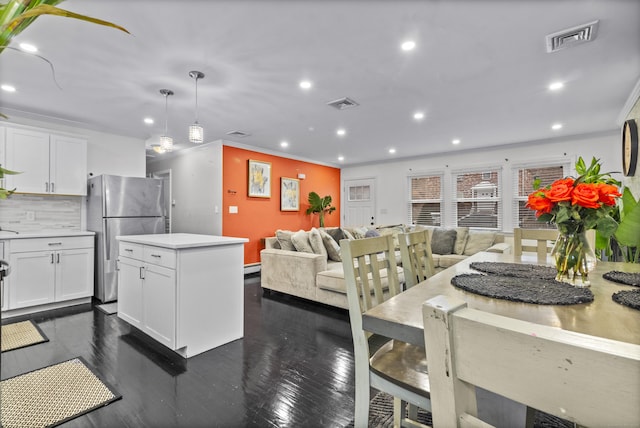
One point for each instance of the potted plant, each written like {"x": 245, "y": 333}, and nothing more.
{"x": 320, "y": 206}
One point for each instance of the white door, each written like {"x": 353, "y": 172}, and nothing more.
{"x": 74, "y": 274}
{"x": 68, "y": 165}
{"x": 130, "y": 291}
{"x": 32, "y": 279}
{"x": 159, "y": 304}
{"x": 28, "y": 153}
{"x": 360, "y": 203}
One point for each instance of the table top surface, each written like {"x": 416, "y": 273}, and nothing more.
{"x": 401, "y": 316}
{"x": 181, "y": 240}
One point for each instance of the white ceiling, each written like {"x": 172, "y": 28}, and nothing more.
{"x": 480, "y": 72}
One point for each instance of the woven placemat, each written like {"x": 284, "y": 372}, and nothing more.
{"x": 21, "y": 334}
{"x": 623, "y": 277}
{"x": 516, "y": 270}
{"x": 533, "y": 290}
{"x": 52, "y": 395}
{"x": 630, "y": 298}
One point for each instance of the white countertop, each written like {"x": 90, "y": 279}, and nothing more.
{"x": 4, "y": 235}
{"x": 181, "y": 240}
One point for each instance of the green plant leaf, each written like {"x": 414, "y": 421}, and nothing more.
{"x": 628, "y": 232}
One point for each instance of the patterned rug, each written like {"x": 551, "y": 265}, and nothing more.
{"x": 381, "y": 415}
{"x": 20, "y": 334}
{"x": 52, "y": 395}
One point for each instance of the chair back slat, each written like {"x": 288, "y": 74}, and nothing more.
{"x": 543, "y": 238}
{"x": 587, "y": 380}
{"x": 416, "y": 255}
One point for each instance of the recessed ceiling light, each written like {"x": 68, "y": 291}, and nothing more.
{"x": 305, "y": 84}
{"x": 556, "y": 126}
{"x": 341, "y": 132}
{"x": 8, "y": 88}
{"x": 408, "y": 45}
{"x": 284, "y": 144}
{"x": 555, "y": 86}
{"x": 455, "y": 141}
{"x": 340, "y": 158}
{"x": 28, "y": 47}
{"x": 148, "y": 121}
{"x": 392, "y": 150}
{"x": 418, "y": 115}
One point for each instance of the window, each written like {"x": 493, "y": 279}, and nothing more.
{"x": 477, "y": 199}
{"x": 425, "y": 206}
{"x": 523, "y": 179}
{"x": 359, "y": 193}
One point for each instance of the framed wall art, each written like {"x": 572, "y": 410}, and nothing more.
{"x": 259, "y": 179}
{"x": 289, "y": 194}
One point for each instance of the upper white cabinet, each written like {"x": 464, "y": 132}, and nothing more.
{"x": 49, "y": 163}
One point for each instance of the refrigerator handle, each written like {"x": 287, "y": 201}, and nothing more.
{"x": 106, "y": 240}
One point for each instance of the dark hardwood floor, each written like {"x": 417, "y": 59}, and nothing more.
{"x": 293, "y": 368}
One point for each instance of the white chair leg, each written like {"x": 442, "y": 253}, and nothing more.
{"x": 398, "y": 412}
{"x": 361, "y": 416}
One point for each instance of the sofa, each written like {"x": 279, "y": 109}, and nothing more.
{"x": 303, "y": 265}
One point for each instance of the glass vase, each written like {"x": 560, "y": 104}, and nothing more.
{"x": 574, "y": 258}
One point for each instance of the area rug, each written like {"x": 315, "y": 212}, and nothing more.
{"x": 20, "y": 334}
{"x": 52, "y": 395}
{"x": 381, "y": 415}
{"x": 109, "y": 308}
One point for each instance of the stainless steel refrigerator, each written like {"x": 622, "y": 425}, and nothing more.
{"x": 120, "y": 206}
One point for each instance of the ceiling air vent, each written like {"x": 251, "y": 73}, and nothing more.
{"x": 343, "y": 103}
{"x": 572, "y": 36}
{"x": 239, "y": 134}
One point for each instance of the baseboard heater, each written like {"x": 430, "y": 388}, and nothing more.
{"x": 251, "y": 268}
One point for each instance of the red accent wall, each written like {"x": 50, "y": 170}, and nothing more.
{"x": 258, "y": 218}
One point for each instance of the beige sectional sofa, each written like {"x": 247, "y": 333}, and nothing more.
{"x": 315, "y": 273}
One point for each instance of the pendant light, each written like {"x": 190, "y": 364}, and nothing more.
{"x": 196, "y": 133}
{"x": 166, "y": 142}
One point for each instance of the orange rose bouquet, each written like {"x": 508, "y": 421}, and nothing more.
{"x": 575, "y": 206}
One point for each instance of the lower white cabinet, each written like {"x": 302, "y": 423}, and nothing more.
{"x": 49, "y": 270}
{"x": 183, "y": 290}
{"x": 146, "y": 298}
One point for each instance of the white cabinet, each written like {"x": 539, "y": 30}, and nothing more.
{"x": 48, "y": 270}
{"x": 147, "y": 291}
{"x": 49, "y": 163}
{"x": 184, "y": 290}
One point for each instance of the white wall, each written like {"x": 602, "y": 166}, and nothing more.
{"x": 196, "y": 183}
{"x": 106, "y": 153}
{"x": 392, "y": 190}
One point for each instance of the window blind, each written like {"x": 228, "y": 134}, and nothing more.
{"x": 523, "y": 179}
{"x": 477, "y": 198}
{"x": 425, "y": 201}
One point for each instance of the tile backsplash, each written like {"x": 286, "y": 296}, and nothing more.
{"x": 31, "y": 213}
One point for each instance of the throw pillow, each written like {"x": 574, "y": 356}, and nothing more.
{"x": 332, "y": 247}
{"x": 443, "y": 241}
{"x": 316, "y": 242}
{"x": 479, "y": 241}
{"x": 336, "y": 233}
{"x": 359, "y": 232}
{"x": 462, "y": 233}
{"x": 371, "y": 233}
{"x": 348, "y": 235}
{"x": 284, "y": 239}
{"x": 300, "y": 241}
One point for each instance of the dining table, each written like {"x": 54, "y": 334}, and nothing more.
{"x": 400, "y": 317}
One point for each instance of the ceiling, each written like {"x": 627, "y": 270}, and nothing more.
{"x": 479, "y": 72}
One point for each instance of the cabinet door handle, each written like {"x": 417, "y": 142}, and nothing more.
{"x": 58, "y": 258}
{"x": 156, "y": 255}
{"x": 51, "y": 258}
{"x": 51, "y": 244}
{"x": 141, "y": 272}
{"x": 46, "y": 186}
{"x": 52, "y": 187}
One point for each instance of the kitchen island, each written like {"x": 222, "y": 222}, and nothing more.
{"x": 184, "y": 290}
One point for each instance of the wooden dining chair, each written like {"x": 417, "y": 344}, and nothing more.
{"x": 544, "y": 241}
{"x": 417, "y": 259}
{"x": 586, "y": 380}
{"x": 391, "y": 366}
